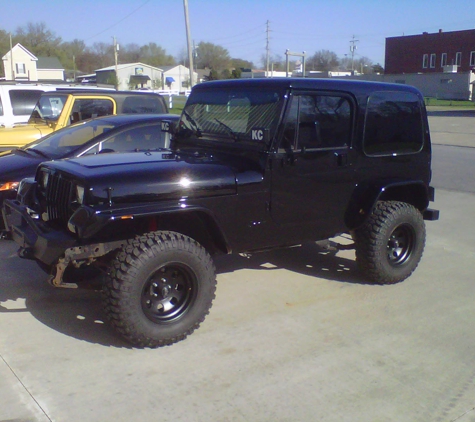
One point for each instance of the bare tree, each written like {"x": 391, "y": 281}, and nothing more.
{"x": 323, "y": 60}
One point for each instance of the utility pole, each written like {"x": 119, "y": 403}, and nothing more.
{"x": 267, "y": 50}
{"x": 11, "y": 57}
{"x": 116, "y": 51}
{"x": 188, "y": 41}
{"x": 352, "y": 51}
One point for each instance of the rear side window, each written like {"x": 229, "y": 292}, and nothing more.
{"x": 393, "y": 124}
{"x": 142, "y": 104}
{"x": 23, "y": 101}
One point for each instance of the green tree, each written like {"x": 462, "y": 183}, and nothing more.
{"x": 212, "y": 56}
{"x": 154, "y": 55}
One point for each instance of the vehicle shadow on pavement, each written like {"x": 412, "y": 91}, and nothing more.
{"x": 78, "y": 313}
{"x": 74, "y": 312}
{"x": 309, "y": 259}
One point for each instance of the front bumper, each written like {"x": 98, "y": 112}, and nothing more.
{"x": 36, "y": 240}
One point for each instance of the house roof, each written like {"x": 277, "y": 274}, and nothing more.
{"x": 19, "y": 47}
{"x": 49, "y": 63}
{"x": 127, "y": 65}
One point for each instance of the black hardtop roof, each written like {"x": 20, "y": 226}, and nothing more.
{"x": 357, "y": 87}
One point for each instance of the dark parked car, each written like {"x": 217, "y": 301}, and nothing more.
{"x": 119, "y": 133}
{"x": 254, "y": 165}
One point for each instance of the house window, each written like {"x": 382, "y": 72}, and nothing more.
{"x": 20, "y": 69}
{"x": 432, "y": 60}
{"x": 472, "y": 58}
{"x": 425, "y": 61}
{"x": 458, "y": 59}
{"x": 443, "y": 60}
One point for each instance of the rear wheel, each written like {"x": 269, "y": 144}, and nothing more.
{"x": 390, "y": 244}
{"x": 160, "y": 288}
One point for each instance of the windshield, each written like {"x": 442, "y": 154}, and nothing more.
{"x": 48, "y": 107}
{"x": 64, "y": 141}
{"x": 234, "y": 114}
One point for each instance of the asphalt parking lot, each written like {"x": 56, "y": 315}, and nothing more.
{"x": 293, "y": 335}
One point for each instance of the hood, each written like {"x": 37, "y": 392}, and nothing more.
{"x": 21, "y": 135}
{"x": 15, "y": 166}
{"x": 148, "y": 177}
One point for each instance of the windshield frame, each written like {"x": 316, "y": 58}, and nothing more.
{"x": 235, "y": 114}
{"x": 43, "y": 103}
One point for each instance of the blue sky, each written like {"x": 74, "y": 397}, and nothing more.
{"x": 240, "y": 25}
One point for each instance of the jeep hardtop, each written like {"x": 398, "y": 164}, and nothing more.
{"x": 58, "y": 109}
{"x": 254, "y": 165}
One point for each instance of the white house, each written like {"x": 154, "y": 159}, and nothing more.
{"x": 27, "y": 67}
{"x": 177, "y": 78}
{"x": 131, "y": 76}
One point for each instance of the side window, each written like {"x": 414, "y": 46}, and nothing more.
{"x": 143, "y": 104}
{"x": 89, "y": 108}
{"x": 23, "y": 101}
{"x": 1, "y": 107}
{"x": 139, "y": 138}
{"x": 317, "y": 122}
{"x": 393, "y": 124}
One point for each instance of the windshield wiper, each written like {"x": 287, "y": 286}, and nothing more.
{"x": 197, "y": 129}
{"x": 234, "y": 135}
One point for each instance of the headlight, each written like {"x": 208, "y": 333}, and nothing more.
{"x": 9, "y": 186}
{"x": 80, "y": 194}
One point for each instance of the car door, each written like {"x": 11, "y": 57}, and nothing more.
{"x": 312, "y": 176}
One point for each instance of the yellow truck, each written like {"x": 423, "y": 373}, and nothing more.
{"x": 57, "y": 109}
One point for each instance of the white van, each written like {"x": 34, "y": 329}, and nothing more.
{"x": 18, "y": 100}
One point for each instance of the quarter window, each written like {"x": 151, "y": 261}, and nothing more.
{"x": 23, "y": 101}
{"x": 393, "y": 124}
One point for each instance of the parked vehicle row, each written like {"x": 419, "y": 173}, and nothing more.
{"x": 61, "y": 108}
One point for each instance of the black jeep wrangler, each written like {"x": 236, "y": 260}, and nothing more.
{"x": 254, "y": 165}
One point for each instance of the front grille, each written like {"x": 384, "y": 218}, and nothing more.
{"x": 59, "y": 195}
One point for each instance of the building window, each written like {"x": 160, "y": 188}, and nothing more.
{"x": 20, "y": 69}
{"x": 458, "y": 59}
{"x": 432, "y": 60}
{"x": 443, "y": 60}
{"x": 425, "y": 61}
{"x": 472, "y": 58}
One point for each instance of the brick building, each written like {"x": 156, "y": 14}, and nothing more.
{"x": 431, "y": 53}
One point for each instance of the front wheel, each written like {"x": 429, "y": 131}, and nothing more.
{"x": 160, "y": 288}
{"x": 390, "y": 243}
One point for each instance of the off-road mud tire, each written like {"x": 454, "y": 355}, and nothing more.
{"x": 390, "y": 244}
{"x": 160, "y": 288}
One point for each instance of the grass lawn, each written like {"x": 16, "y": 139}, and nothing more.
{"x": 454, "y": 103}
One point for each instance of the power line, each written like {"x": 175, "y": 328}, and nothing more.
{"x": 121, "y": 20}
